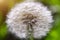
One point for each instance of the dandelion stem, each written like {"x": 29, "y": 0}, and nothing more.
{"x": 30, "y": 32}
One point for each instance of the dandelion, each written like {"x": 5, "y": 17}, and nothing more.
{"x": 29, "y": 18}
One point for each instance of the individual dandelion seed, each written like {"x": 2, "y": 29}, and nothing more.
{"x": 29, "y": 18}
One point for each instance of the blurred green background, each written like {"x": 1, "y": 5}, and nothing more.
{"x": 53, "y": 5}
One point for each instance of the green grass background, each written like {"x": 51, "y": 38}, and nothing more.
{"x": 54, "y": 34}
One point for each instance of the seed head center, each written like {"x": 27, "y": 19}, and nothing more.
{"x": 29, "y": 18}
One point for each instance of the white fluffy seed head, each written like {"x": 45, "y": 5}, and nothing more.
{"x": 29, "y": 12}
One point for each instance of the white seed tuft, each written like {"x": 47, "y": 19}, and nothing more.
{"x": 29, "y": 13}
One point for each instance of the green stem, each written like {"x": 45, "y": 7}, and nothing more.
{"x": 30, "y": 32}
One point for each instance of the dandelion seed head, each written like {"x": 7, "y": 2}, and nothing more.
{"x": 32, "y": 13}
